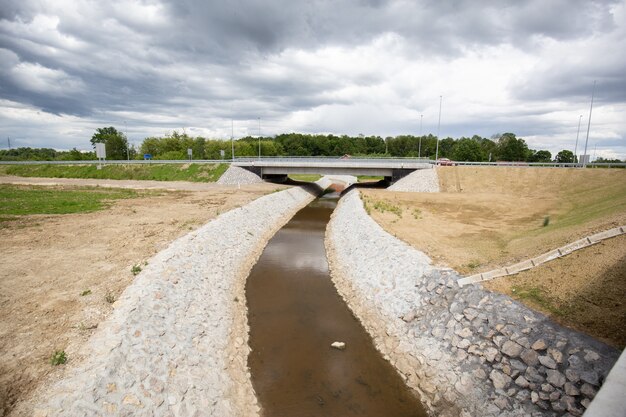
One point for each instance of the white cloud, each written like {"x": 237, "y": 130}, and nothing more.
{"x": 350, "y": 67}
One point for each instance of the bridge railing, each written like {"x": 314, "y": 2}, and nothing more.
{"x": 323, "y": 159}
{"x": 539, "y": 164}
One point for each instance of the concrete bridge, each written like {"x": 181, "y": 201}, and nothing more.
{"x": 279, "y": 168}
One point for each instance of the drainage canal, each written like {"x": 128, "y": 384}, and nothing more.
{"x": 295, "y": 314}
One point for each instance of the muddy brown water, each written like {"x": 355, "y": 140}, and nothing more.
{"x": 295, "y": 314}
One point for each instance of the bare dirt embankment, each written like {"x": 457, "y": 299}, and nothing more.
{"x": 486, "y": 217}
{"x": 50, "y": 260}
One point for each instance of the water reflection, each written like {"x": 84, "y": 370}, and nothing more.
{"x": 294, "y": 315}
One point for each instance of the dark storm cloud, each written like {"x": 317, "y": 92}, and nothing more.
{"x": 575, "y": 83}
{"x": 121, "y": 50}
{"x": 189, "y": 60}
{"x": 232, "y": 29}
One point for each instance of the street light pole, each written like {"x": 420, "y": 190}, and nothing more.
{"x": 259, "y": 138}
{"x": 419, "y": 149}
{"x": 577, "y": 133}
{"x": 127, "y": 143}
{"x": 589, "y": 123}
{"x": 232, "y": 138}
{"x": 438, "y": 129}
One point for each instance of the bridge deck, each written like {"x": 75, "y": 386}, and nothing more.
{"x": 351, "y": 166}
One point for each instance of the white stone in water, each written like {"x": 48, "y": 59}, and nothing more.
{"x": 338, "y": 345}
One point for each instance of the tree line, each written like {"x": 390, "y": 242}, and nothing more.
{"x": 500, "y": 147}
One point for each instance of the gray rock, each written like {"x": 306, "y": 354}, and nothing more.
{"x": 558, "y": 406}
{"x": 590, "y": 377}
{"x": 490, "y": 354}
{"x": 520, "y": 366}
{"x": 591, "y": 356}
{"x": 530, "y": 357}
{"x": 500, "y": 380}
{"x": 575, "y": 362}
{"x": 533, "y": 375}
{"x": 534, "y": 397}
{"x": 465, "y": 332}
{"x": 523, "y": 341}
{"x": 539, "y": 345}
{"x": 588, "y": 390}
{"x": 572, "y": 375}
{"x": 571, "y": 390}
{"x": 463, "y": 344}
{"x": 555, "y": 395}
{"x": 547, "y": 361}
{"x": 502, "y": 403}
{"x": 556, "y": 354}
{"x": 555, "y": 378}
{"x": 511, "y": 349}
{"x": 522, "y": 382}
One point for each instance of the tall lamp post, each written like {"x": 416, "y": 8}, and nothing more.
{"x": 259, "y": 137}
{"x": 419, "y": 149}
{"x": 589, "y": 123}
{"x": 438, "y": 129}
{"x": 232, "y": 138}
{"x": 577, "y": 134}
{"x": 127, "y": 143}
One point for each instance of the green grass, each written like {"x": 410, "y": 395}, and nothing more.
{"x": 383, "y": 206}
{"x": 25, "y": 200}
{"x": 136, "y": 269}
{"x": 156, "y": 171}
{"x": 537, "y": 296}
{"x": 305, "y": 177}
{"x": 59, "y": 357}
{"x": 362, "y": 178}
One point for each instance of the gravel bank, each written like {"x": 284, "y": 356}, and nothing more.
{"x": 466, "y": 351}
{"x": 176, "y": 343}
{"x": 235, "y": 175}
{"x": 420, "y": 181}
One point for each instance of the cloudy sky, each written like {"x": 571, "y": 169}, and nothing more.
{"x": 318, "y": 66}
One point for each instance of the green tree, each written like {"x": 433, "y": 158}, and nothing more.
{"x": 564, "y": 157}
{"x": 115, "y": 142}
{"x": 510, "y": 148}
{"x": 467, "y": 150}
{"x": 540, "y": 156}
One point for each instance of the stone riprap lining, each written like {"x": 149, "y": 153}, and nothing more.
{"x": 466, "y": 351}
{"x": 235, "y": 175}
{"x": 176, "y": 343}
{"x": 420, "y": 181}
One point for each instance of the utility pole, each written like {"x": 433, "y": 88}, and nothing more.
{"x": 438, "y": 129}
{"x": 589, "y": 123}
{"x": 259, "y": 137}
{"x": 577, "y": 133}
{"x": 419, "y": 149}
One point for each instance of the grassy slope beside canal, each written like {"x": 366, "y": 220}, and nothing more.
{"x": 491, "y": 216}
{"x": 155, "y": 171}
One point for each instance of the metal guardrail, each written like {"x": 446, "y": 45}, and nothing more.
{"x": 324, "y": 159}
{"x": 119, "y": 162}
{"x": 538, "y": 164}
